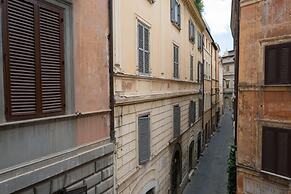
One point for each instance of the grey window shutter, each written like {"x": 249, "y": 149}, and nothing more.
{"x": 177, "y": 121}
{"x": 179, "y": 15}
{"x": 173, "y": 2}
{"x": 190, "y": 30}
{"x": 144, "y": 138}
{"x": 146, "y": 48}
{"x": 194, "y": 112}
{"x": 191, "y": 67}
{"x": 140, "y": 48}
{"x": 194, "y": 32}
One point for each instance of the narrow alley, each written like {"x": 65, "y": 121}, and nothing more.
{"x": 211, "y": 175}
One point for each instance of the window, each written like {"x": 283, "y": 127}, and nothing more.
{"x": 192, "y": 113}
{"x": 191, "y": 32}
{"x": 200, "y": 107}
{"x": 176, "y": 61}
{"x": 175, "y": 13}
{"x": 278, "y": 64}
{"x": 144, "y": 138}
{"x": 276, "y": 151}
{"x": 199, "y": 72}
{"x": 33, "y": 59}
{"x": 227, "y": 83}
{"x": 200, "y": 42}
{"x": 143, "y": 48}
{"x": 191, "y": 68}
{"x": 227, "y": 68}
{"x": 177, "y": 121}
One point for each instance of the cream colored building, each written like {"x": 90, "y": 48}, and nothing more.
{"x": 158, "y": 93}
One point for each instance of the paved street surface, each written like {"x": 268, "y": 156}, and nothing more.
{"x": 211, "y": 176}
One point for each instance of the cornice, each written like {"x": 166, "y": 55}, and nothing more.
{"x": 195, "y": 13}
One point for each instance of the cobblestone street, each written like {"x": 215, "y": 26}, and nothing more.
{"x": 211, "y": 175}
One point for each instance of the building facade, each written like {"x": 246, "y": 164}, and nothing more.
{"x": 158, "y": 79}
{"x": 228, "y": 78}
{"x": 54, "y": 97}
{"x": 262, "y": 38}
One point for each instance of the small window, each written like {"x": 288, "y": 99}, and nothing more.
{"x": 144, "y": 138}
{"x": 191, "y": 32}
{"x": 278, "y": 64}
{"x": 177, "y": 121}
{"x": 227, "y": 68}
{"x": 176, "y": 61}
{"x": 175, "y": 13}
{"x": 143, "y": 48}
{"x": 191, "y": 68}
{"x": 276, "y": 151}
{"x": 227, "y": 83}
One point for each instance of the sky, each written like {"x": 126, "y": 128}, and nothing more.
{"x": 217, "y": 14}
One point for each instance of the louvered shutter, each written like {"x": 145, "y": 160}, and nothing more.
{"x": 190, "y": 30}
{"x": 191, "y": 68}
{"x": 173, "y": 2}
{"x": 190, "y": 114}
{"x": 278, "y": 64}
{"x": 144, "y": 138}
{"x": 140, "y": 48}
{"x": 179, "y": 15}
{"x": 146, "y": 50}
{"x": 52, "y": 60}
{"x": 177, "y": 121}
{"x": 200, "y": 107}
{"x": 194, "y": 112}
{"x": 19, "y": 41}
{"x": 34, "y": 86}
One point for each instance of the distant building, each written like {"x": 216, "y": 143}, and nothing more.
{"x": 159, "y": 78}
{"x": 262, "y": 32}
{"x": 228, "y": 78}
{"x": 54, "y": 97}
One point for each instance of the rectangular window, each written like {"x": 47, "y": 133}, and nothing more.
{"x": 144, "y": 138}
{"x": 200, "y": 42}
{"x": 191, "y": 32}
{"x": 177, "y": 121}
{"x": 33, "y": 38}
{"x": 276, "y": 151}
{"x": 200, "y": 107}
{"x": 192, "y": 113}
{"x": 278, "y": 64}
{"x": 143, "y": 48}
{"x": 227, "y": 83}
{"x": 191, "y": 68}
{"x": 176, "y": 61}
{"x": 175, "y": 13}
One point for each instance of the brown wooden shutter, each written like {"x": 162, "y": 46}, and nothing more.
{"x": 52, "y": 59}
{"x": 34, "y": 73}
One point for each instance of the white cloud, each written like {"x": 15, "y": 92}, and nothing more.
{"x": 217, "y": 14}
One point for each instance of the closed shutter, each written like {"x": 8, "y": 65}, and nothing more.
{"x": 143, "y": 48}
{"x": 140, "y": 48}
{"x": 191, "y": 68}
{"x": 276, "y": 151}
{"x": 173, "y": 2}
{"x": 200, "y": 107}
{"x": 33, "y": 55}
{"x": 191, "y": 110}
{"x": 177, "y": 121}
{"x": 144, "y": 138}
{"x": 146, "y": 48}
{"x": 176, "y": 61}
{"x": 179, "y": 15}
{"x": 194, "y": 112}
{"x": 20, "y": 59}
{"x": 51, "y": 59}
{"x": 278, "y": 64}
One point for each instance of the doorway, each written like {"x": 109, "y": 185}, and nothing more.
{"x": 176, "y": 169}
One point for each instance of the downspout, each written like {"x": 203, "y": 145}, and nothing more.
{"x": 111, "y": 83}
{"x": 237, "y": 70}
{"x": 203, "y": 79}
{"x": 211, "y": 104}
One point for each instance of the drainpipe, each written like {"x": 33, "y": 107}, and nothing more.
{"x": 203, "y": 78}
{"x": 111, "y": 85}
{"x": 236, "y": 70}
{"x": 211, "y": 104}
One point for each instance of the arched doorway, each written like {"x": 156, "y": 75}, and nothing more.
{"x": 191, "y": 156}
{"x": 176, "y": 169}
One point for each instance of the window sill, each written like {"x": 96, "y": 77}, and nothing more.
{"x": 176, "y": 25}
{"x": 77, "y": 114}
{"x": 275, "y": 175}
